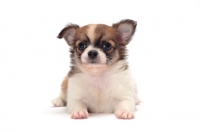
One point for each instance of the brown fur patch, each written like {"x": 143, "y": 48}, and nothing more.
{"x": 81, "y": 34}
{"x": 73, "y": 71}
{"x": 64, "y": 87}
{"x": 105, "y": 33}
{"x": 64, "y": 84}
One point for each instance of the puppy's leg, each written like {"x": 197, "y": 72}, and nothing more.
{"x": 75, "y": 105}
{"x": 61, "y": 100}
{"x": 125, "y": 109}
{"x": 78, "y": 110}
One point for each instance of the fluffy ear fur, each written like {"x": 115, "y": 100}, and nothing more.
{"x": 126, "y": 29}
{"x": 68, "y": 33}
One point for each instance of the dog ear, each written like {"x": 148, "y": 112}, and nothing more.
{"x": 126, "y": 29}
{"x": 68, "y": 33}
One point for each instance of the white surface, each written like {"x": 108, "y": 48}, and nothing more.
{"x": 164, "y": 57}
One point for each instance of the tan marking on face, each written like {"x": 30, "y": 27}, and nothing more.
{"x": 91, "y": 32}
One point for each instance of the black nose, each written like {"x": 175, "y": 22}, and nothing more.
{"x": 92, "y": 54}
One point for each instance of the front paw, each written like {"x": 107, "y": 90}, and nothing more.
{"x": 79, "y": 114}
{"x": 124, "y": 114}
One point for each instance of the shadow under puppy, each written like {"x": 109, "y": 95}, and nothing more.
{"x": 99, "y": 80}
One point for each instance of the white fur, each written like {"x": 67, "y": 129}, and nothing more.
{"x": 58, "y": 102}
{"x": 113, "y": 90}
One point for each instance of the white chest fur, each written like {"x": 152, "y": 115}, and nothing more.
{"x": 102, "y": 92}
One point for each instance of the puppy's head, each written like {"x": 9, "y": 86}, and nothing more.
{"x": 95, "y": 47}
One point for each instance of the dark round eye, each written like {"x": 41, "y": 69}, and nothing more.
{"x": 107, "y": 46}
{"x": 81, "y": 46}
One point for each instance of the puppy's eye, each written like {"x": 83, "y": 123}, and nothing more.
{"x": 82, "y": 46}
{"x": 107, "y": 46}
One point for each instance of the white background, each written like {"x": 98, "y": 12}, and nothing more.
{"x": 164, "y": 56}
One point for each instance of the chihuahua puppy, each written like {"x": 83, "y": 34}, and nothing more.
{"x": 100, "y": 80}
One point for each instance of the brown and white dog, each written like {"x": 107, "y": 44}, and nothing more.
{"x": 99, "y": 80}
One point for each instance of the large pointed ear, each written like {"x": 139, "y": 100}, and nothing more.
{"x": 126, "y": 29}
{"x": 68, "y": 33}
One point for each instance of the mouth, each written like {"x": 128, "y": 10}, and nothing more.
{"x": 93, "y": 62}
